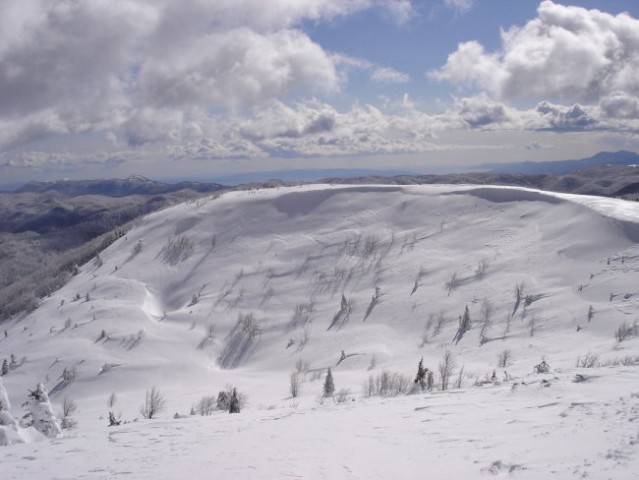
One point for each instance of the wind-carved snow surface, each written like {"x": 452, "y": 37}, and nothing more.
{"x": 362, "y": 279}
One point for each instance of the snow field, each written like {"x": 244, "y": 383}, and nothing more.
{"x": 260, "y": 254}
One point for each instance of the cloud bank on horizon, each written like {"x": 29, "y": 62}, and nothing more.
{"x": 115, "y": 84}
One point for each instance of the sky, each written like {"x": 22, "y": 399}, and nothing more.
{"x": 194, "y": 89}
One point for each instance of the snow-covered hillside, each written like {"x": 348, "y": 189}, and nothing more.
{"x": 244, "y": 288}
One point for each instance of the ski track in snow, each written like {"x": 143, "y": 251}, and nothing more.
{"x": 265, "y": 252}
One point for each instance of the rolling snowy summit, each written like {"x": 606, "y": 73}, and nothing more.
{"x": 246, "y": 288}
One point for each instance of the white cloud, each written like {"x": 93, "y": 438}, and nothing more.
{"x": 38, "y": 159}
{"x": 461, "y": 6}
{"x": 401, "y": 10}
{"x": 567, "y": 52}
{"x": 314, "y": 128}
{"x": 620, "y": 105}
{"x": 237, "y": 68}
{"x": 481, "y": 112}
{"x": 560, "y": 117}
{"x": 389, "y": 75}
{"x": 75, "y": 66}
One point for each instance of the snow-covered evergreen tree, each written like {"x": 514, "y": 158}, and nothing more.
{"x": 329, "y": 385}
{"x": 9, "y": 428}
{"x": 40, "y": 413}
{"x": 5, "y": 367}
{"x": 4, "y": 397}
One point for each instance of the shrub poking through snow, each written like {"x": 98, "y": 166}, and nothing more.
{"x": 542, "y": 367}
{"x": 111, "y": 401}
{"x": 388, "y": 384}
{"x": 113, "y": 421}
{"x": 590, "y": 360}
{"x": 343, "y": 395}
{"x": 40, "y": 413}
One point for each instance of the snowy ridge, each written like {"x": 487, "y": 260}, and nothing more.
{"x": 162, "y": 305}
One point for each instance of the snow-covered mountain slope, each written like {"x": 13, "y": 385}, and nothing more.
{"x": 239, "y": 288}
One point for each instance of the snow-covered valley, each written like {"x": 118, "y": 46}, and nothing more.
{"x": 245, "y": 288}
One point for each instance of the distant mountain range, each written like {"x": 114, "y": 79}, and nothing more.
{"x": 134, "y": 185}
{"x": 139, "y": 185}
{"x": 563, "y": 167}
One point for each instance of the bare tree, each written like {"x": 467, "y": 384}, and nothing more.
{"x": 69, "y": 407}
{"x": 460, "y": 378}
{"x": 446, "y": 369}
{"x": 294, "y": 384}
{"x": 342, "y": 395}
{"x": 487, "y": 314}
{"x": 373, "y": 363}
{"x": 505, "y": 358}
{"x": 154, "y": 403}
{"x": 343, "y": 316}
{"x": 591, "y": 360}
{"x": 303, "y": 314}
{"x": 387, "y": 384}
{"x": 624, "y": 331}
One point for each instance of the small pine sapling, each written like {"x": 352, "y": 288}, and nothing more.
{"x": 234, "y": 404}
{"x": 329, "y": 384}
{"x": 420, "y": 377}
